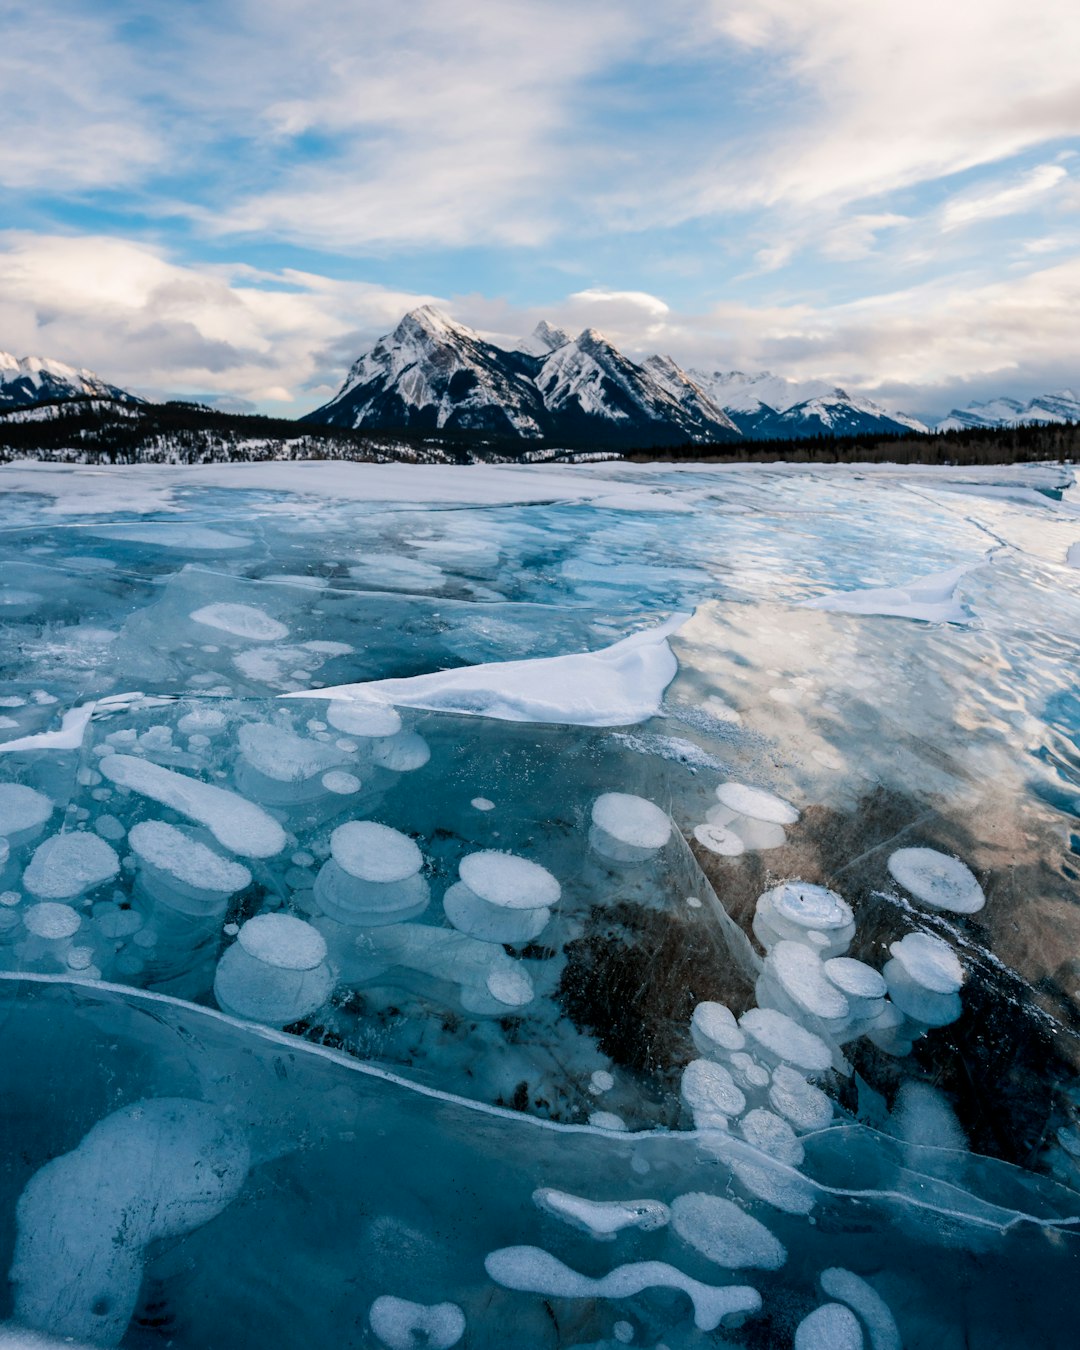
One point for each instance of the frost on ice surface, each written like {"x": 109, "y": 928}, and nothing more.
{"x": 450, "y": 951}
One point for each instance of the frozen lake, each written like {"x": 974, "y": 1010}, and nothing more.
{"x": 540, "y": 907}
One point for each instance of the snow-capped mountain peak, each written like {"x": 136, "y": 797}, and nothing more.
{"x": 543, "y": 340}
{"x": 29, "y": 380}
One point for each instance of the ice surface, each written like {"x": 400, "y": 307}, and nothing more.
{"x": 479, "y": 1053}
{"x": 937, "y": 880}
{"x": 236, "y": 824}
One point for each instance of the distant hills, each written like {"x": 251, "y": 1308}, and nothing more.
{"x": 435, "y": 381}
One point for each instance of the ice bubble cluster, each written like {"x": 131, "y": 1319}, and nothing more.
{"x": 628, "y": 829}
{"x": 23, "y": 813}
{"x": 936, "y": 880}
{"x": 797, "y": 911}
{"x": 368, "y": 716}
{"x": 154, "y": 1170}
{"x": 501, "y": 897}
{"x": 372, "y": 877}
{"x": 745, "y": 819}
{"x": 488, "y": 981}
{"x": 275, "y": 972}
{"x": 279, "y": 768}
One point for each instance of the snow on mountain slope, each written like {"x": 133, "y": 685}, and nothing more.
{"x": 543, "y": 340}
{"x": 768, "y": 406}
{"x": 35, "y": 379}
{"x": 432, "y": 374}
{"x": 1063, "y": 406}
{"x": 589, "y": 387}
{"x": 686, "y": 391}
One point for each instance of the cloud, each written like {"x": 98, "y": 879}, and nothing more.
{"x": 158, "y": 327}
{"x": 973, "y": 208}
{"x": 896, "y": 94}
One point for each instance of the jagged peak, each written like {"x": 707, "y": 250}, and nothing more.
{"x": 431, "y": 321}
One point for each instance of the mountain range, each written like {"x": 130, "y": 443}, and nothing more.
{"x": 434, "y": 376}
{"x": 432, "y": 373}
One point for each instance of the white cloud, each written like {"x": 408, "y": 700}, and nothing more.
{"x": 149, "y": 324}
{"x": 1021, "y": 195}
{"x": 896, "y": 94}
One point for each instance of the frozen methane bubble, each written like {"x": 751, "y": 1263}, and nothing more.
{"x": 401, "y": 1325}
{"x": 501, "y": 897}
{"x": 404, "y": 753}
{"x": 242, "y": 621}
{"x": 846, "y": 1287}
{"x": 602, "y": 1219}
{"x": 364, "y": 716}
{"x": 797, "y": 910}
{"x": 724, "y": 1233}
{"x": 720, "y": 840}
{"x": 930, "y": 962}
{"x": 861, "y": 985}
{"x": 756, "y": 803}
{"x": 771, "y": 1135}
{"x": 802, "y": 1104}
{"x": 51, "y": 920}
{"x": 280, "y": 768}
{"x": 780, "y": 1039}
{"x": 715, "y": 1031}
{"x": 202, "y": 722}
{"x": 626, "y": 828}
{"x": 372, "y": 876}
{"x": 237, "y": 824}
{"x": 275, "y": 972}
{"x": 154, "y": 1170}
{"x": 375, "y": 852}
{"x": 490, "y": 981}
{"x": 798, "y": 971}
{"x": 67, "y": 865}
{"x": 710, "y": 1093}
{"x": 342, "y": 783}
{"x": 533, "y": 1270}
{"x": 182, "y": 871}
{"x": 23, "y": 812}
{"x": 937, "y": 880}
{"x": 830, "y": 1327}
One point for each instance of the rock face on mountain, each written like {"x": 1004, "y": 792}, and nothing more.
{"x": 432, "y": 374}
{"x": 1010, "y": 412}
{"x": 31, "y": 380}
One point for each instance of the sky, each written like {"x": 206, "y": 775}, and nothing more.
{"x": 230, "y": 200}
